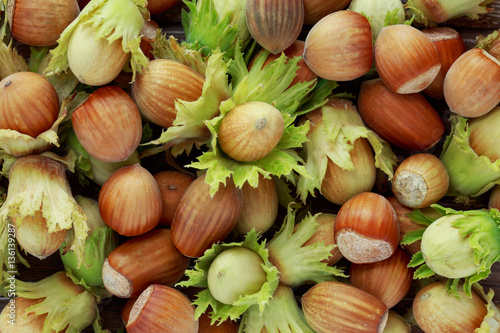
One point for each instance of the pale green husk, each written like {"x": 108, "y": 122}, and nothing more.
{"x": 65, "y": 303}
{"x": 189, "y": 126}
{"x": 4, "y": 27}
{"x": 197, "y": 277}
{"x": 112, "y": 20}
{"x": 300, "y": 264}
{"x": 380, "y": 13}
{"x": 82, "y": 164}
{"x": 101, "y": 170}
{"x": 470, "y": 175}
{"x": 169, "y": 48}
{"x": 6, "y": 161}
{"x": 100, "y": 242}
{"x": 450, "y": 9}
{"x": 485, "y": 42}
{"x": 38, "y": 183}
{"x": 11, "y": 60}
{"x": 480, "y": 229}
{"x": 333, "y": 139}
{"x": 215, "y": 24}
{"x": 285, "y": 190}
{"x": 87, "y": 167}
{"x": 269, "y": 84}
{"x": 281, "y": 314}
{"x": 491, "y": 322}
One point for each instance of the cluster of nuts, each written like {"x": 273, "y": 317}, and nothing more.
{"x": 167, "y": 220}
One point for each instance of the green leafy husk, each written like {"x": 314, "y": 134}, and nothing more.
{"x": 419, "y": 217}
{"x": 281, "y": 314}
{"x": 333, "y": 139}
{"x": 189, "y": 126}
{"x": 169, "y": 48}
{"x": 379, "y": 13}
{"x": 212, "y": 24}
{"x": 491, "y": 322}
{"x": 64, "y": 83}
{"x": 197, "y": 277}
{"x": 88, "y": 167}
{"x": 470, "y": 175}
{"x": 269, "y": 84}
{"x": 286, "y": 194}
{"x": 100, "y": 242}
{"x": 82, "y": 164}
{"x": 66, "y": 304}
{"x": 101, "y": 170}
{"x": 6, "y": 162}
{"x": 11, "y": 60}
{"x": 444, "y": 10}
{"x": 296, "y": 263}
{"x": 39, "y": 184}
{"x": 485, "y": 42}
{"x": 479, "y": 229}
{"x": 3, "y": 20}
{"x": 111, "y": 20}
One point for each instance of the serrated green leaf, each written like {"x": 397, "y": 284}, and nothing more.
{"x": 282, "y": 314}
{"x": 337, "y": 126}
{"x": 67, "y": 306}
{"x": 319, "y": 96}
{"x": 392, "y": 17}
{"x": 189, "y": 125}
{"x": 204, "y": 299}
{"x": 423, "y": 272}
{"x": 297, "y": 263}
{"x": 281, "y": 160}
{"x": 293, "y": 136}
{"x": 220, "y": 167}
{"x": 269, "y": 83}
{"x": 285, "y": 192}
{"x": 11, "y": 60}
{"x": 412, "y": 236}
{"x": 169, "y": 48}
{"x": 419, "y": 217}
{"x": 416, "y": 260}
{"x": 210, "y": 25}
